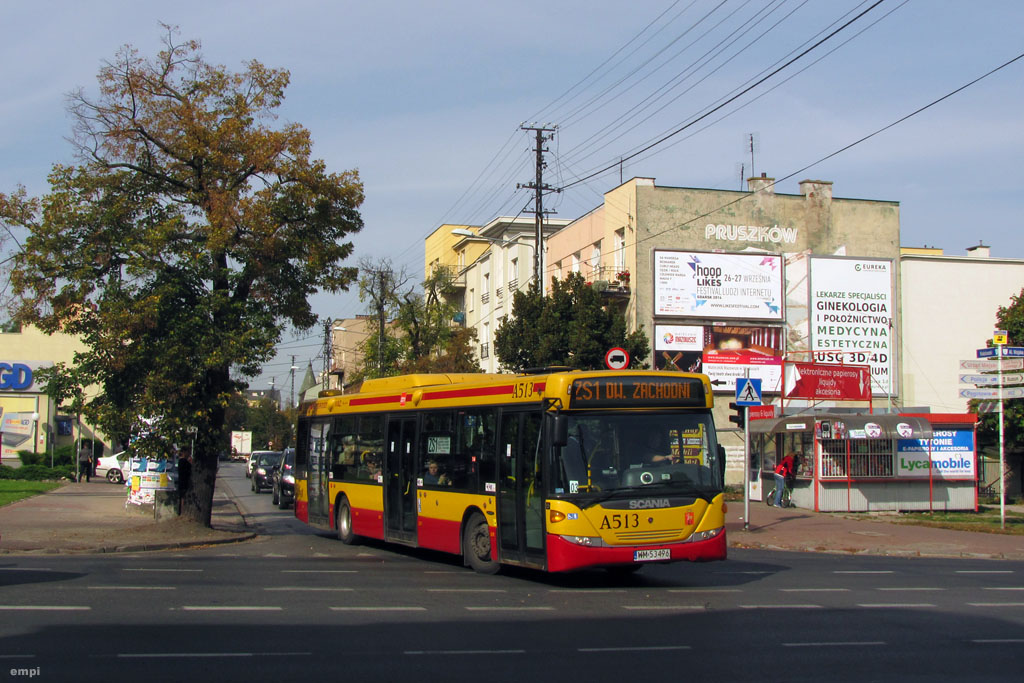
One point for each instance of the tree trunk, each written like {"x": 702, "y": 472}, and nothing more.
{"x": 198, "y": 503}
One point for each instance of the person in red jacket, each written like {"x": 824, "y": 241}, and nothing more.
{"x": 784, "y": 471}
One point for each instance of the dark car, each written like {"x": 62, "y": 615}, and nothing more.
{"x": 284, "y": 480}
{"x": 264, "y": 466}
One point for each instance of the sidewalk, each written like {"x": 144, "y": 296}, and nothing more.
{"x": 90, "y": 517}
{"x": 860, "y": 534}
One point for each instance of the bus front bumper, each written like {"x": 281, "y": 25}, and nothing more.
{"x": 565, "y": 555}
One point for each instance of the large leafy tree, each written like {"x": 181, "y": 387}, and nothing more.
{"x": 425, "y": 318}
{"x": 573, "y": 326}
{"x": 1011, "y": 319}
{"x": 188, "y": 235}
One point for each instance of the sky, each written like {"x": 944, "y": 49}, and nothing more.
{"x": 427, "y": 99}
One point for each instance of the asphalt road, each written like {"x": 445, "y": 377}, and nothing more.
{"x": 297, "y": 604}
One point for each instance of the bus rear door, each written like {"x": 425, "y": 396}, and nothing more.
{"x": 400, "y": 481}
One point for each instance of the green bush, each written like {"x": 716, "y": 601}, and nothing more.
{"x": 37, "y": 472}
{"x": 62, "y": 455}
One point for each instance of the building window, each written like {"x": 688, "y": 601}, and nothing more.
{"x": 620, "y": 250}
{"x": 472, "y": 299}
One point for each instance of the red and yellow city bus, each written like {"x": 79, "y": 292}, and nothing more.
{"x": 559, "y": 470}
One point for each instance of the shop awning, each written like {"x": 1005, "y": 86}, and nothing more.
{"x": 849, "y": 426}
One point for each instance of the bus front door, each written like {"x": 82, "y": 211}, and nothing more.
{"x": 400, "y": 481}
{"x": 521, "y": 490}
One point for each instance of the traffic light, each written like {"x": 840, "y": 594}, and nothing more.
{"x": 739, "y": 417}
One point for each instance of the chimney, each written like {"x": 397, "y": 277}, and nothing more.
{"x": 979, "y": 250}
{"x": 764, "y": 184}
{"x": 820, "y": 190}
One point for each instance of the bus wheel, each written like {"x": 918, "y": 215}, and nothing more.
{"x": 476, "y": 545}
{"x": 343, "y": 522}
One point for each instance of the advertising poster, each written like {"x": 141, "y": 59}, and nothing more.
{"x": 952, "y": 455}
{"x": 147, "y": 476}
{"x": 718, "y": 286}
{"x": 851, "y": 310}
{"x": 722, "y": 352}
{"x": 17, "y": 429}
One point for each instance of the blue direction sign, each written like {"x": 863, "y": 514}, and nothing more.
{"x": 1002, "y": 351}
{"x": 748, "y": 391}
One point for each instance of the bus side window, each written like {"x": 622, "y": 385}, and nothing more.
{"x": 370, "y": 447}
{"x": 477, "y": 427}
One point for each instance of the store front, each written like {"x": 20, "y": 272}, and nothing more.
{"x": 854, "y": 462}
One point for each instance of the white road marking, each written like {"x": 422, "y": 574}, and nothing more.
{"x": 509, "y": 609}
{"x": 852, "y": 643}
{"x": 231, "y": 608}
{"x": 639, "y": 648}
{"x": 894, "y": 605}
{"x": 921, "y": 588}
{"x": 378, "y": 609}
{"x": 132, "y": 588}
{"x": 189, "y": 655}
{"x": 464, "y": 652}
{"x": 984, "y": 571}
{"x": 46, "y": 608}
{"x": 996, "y": 604}
{"x": 1004, "y": 588}
{"x": 309, "y": 588}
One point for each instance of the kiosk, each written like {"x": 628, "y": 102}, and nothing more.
{"x": 857, "y": 462}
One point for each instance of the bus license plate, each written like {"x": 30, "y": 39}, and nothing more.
{"x": 649, "y": 555}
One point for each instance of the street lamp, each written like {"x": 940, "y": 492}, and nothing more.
{"x": 468, "y": 234}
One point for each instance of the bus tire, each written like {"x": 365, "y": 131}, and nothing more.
{"x": 476, "y": 545}
{"x": 343, "y": 522}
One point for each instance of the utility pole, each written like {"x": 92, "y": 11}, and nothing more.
{"x": 380, "y": 323}
{"x": 328, "y": 353}
{"x": 291, "y": 399}
{"x": 542, "y": 135}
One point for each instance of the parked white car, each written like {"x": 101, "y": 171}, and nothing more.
{"x": 113, "y": 467}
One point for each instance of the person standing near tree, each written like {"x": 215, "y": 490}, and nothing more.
{"x": 184, "y": 477}
{"x": 85, "y": 461}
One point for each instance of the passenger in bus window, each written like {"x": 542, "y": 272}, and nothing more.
{"x": 434, "y": 477}
{"x": 348, "y": 451}
{"x": 370, "y": 468}
{"x": 655, "y": 452}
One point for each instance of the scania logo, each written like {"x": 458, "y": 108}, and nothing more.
{"x": 650, "y": 503}
{"x": 16, "y": 376}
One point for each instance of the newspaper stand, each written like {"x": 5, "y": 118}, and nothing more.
{"x": 874, "y": 462}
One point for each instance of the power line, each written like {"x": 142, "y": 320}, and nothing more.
{"x": 727, "y": 101}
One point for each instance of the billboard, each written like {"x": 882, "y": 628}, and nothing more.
{"x": 722, "y": 352}
{"x": 718, "y": 285}
{"x": 821, "y": 382}
{"x": 851, "y": 315}
{"x": 952, "y": 455}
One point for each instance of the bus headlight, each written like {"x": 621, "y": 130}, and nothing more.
{"x": 588, "y": 541}
{"x": 699, "y": 536}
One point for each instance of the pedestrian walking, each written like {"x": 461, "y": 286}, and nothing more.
{"x": 85, "y": 461}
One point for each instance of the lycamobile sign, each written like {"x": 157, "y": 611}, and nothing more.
{"x": 952, "y": 455}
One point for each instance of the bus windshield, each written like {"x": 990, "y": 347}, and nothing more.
{"x": 650, "y": 451}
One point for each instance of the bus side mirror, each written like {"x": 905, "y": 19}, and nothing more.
{"x": 721, "y": 461}
{"x": 559, "y": 430}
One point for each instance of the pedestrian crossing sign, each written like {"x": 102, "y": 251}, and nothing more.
{"x": 748, "y": 391}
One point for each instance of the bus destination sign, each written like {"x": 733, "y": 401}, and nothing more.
{"x": 637, "y": 392}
